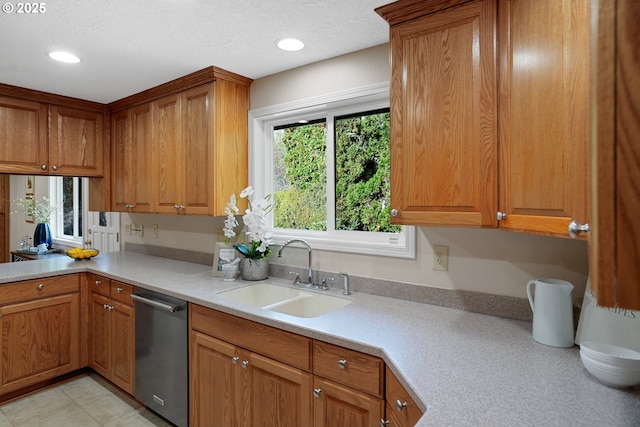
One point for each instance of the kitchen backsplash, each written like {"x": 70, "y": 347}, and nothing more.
{"x": 496, "y": 305}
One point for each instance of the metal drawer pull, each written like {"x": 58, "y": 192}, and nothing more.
{"x": 40, "y": 286}
{"x": 384, "y": 422}
{"x": 317, "y": 392}
{"x": 400, "y": 405}
{"x": 98, "y": 282}
{"x": 159, "y": 304}
{"x": 235, "y": 359}
{"x": 342, "y": 363}
{"x": 245, "y": 364}
{"x": 119, "y": 290}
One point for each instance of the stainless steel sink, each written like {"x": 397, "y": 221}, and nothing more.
{"x": 286, "y": 300}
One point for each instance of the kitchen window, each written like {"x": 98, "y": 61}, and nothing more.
{"x": 325, "y": 161}
{"x": 70, "y": 195}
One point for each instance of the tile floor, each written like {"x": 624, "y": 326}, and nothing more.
{"x": 85, "y": 401}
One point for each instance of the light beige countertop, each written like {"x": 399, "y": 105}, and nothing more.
{"x": 463, "y": 368}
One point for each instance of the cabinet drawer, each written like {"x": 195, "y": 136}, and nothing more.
{"x": 284, "y": 346}
{"x": 403, "y": 407}
{"x": 34, "y": 289}
{"x": 99, "y": 285}
{"x": 121, "y": 292}
{"x": 348, "y": 367}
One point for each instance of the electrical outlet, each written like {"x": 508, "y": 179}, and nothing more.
{"x": 127, "y": 228}
{"x": 138, "y": 229}
{"x": 155, "y": 230}
{"x": 440, "y": 257}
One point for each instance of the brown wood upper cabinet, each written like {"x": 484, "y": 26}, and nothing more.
{"x": 44, "y": 139}
{"x": 446, "y": 167}
{"x": 544, "y": 114}
{"x": 200, "y": 153}
{"x": 131, "y": 140}
{"x": 613, "y": 241}
{"x": 181, "y": 147}
{"x": 443, "y": 113}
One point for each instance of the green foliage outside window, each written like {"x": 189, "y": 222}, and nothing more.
{"x": 363, "y": 172}
{"x": 300, "y": 177}
{"x": 362, "y": 160}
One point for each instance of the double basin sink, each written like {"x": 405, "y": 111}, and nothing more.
{"x": 285, "y": 300}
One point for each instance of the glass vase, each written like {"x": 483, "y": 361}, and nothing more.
{"x": 254, "y": 269}
{"x": 42, "y": 234}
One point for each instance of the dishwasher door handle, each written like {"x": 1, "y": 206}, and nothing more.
{"x": 159, "y": 304}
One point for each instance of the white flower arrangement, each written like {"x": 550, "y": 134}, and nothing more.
{"x": 259, "y": 231}
{"x": 40, "y": 209}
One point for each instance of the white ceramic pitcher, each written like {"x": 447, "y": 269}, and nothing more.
{"x": 552, "y": 307}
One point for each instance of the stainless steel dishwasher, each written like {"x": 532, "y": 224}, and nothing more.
{"x": 162, "y": 370}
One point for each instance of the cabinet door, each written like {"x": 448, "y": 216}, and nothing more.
{"x": 132, "y": 145}
{"x": 100, "y": 334}
{"x": 337, "y": 406}
{"x": 122, "y": 171}
{"x": 280, "y": 394}
{"x": 443, "y": 118}
{"x": 614, "y": 237}
{"x": 544, "y": 114}
{"x": 23, "y": 136}
{"x": 76, "y": 142}
{"x": 40, "y": 340}
{"x": 141, "y": 152}
{"x": 212, "y": 390}
{"x": 122, "y": 345}
{"x": 167, "y": 154}
{"x": 198, "y": 150}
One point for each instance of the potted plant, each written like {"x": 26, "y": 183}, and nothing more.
{"x": 254, "y": 264}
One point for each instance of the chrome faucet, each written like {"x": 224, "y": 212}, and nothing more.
{"x": 287, "y": 243}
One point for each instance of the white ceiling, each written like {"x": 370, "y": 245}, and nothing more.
{"x": 127, "y": 46}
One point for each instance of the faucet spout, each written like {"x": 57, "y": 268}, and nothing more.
{"x": 308, "y": 247}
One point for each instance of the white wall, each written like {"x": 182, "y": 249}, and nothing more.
{"x": 489, "y": 261}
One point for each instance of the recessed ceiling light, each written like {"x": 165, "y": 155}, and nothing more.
{"x": 64, "y": 57}
{"x": 290, "y": 44}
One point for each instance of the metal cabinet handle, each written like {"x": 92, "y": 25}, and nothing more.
{"x": 575, "y": 229}
{"x": 342, "y": 363}
{"x": 119, "y": 290}
{"x": 245, "y": 364}
{"x": 105, "y": 306}
{"x": 40, "y": 287}
{"x": 54, "y": 167}
{"x": 394, "y": 212}
{"x": 384, "y": 422}
{"x": 235, "y": 359}
{"x": 400, "y": 405}
{"x": 500, "y": 216}
{"x": 43, "y": 167}
{"x": 317, "y": 392}
{"x": 98, "y": 282}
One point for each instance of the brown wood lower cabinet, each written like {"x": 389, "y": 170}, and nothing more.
{"x": 338, "y": 405}
{"x": 40, "y": 324}
{"x": 112, "y": 331}
{"x": 231, "y": 386}
{"x": 274, "y": 382}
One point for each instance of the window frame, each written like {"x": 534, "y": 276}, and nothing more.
{"x": 261, "y": 124}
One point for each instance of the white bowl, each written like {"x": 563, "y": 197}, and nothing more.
{"x": 611, "y": 375}
{"x": 611, "y": 355}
